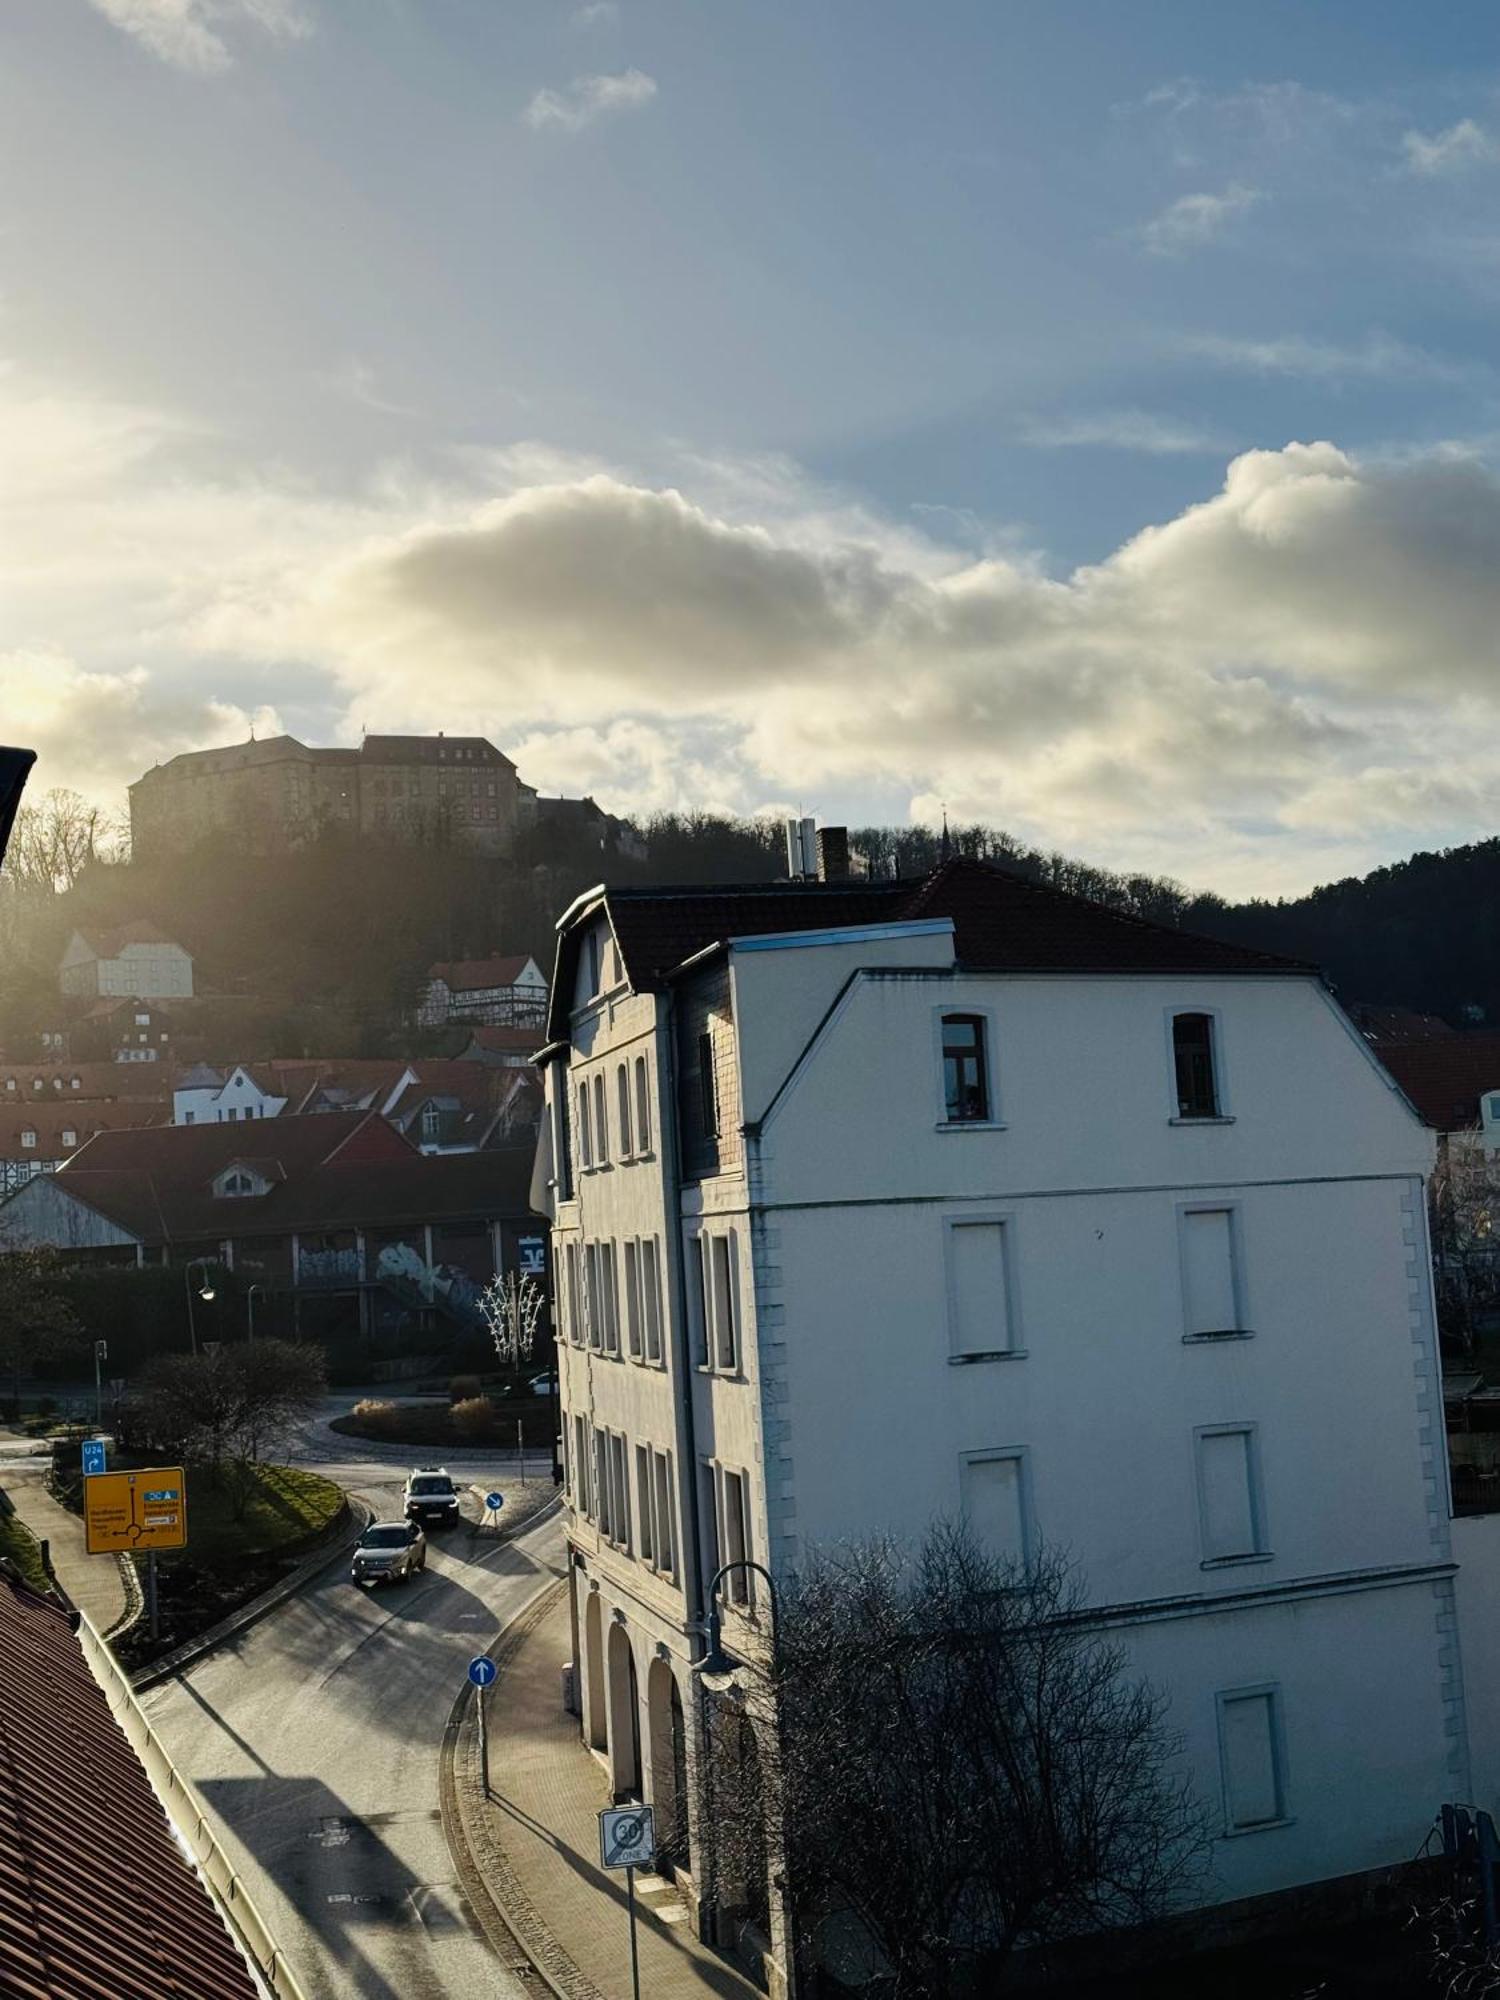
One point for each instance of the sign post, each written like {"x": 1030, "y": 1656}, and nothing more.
{"x": 126, "y": 1513}
{"x": 482, "y": 1671}
{"x": 101, "y": 1355}
{"x": 93, "y": 1457}
{"x": 627, "y": 1839}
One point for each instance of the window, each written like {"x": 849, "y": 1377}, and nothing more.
{"x": 143, "y": 1020}
{"x": 622, "y": 1081}
{"x": 642, "y": 1106}
{"x": 10, "y": 1083}
{"x": 708, "y": 1087}
{"x": 1210, "y": 1276}
{"x": 564, "y": 1144}
{"x": 1231, "y": 1514}
{"x": 188, "y": 1117}
{"x": 601, "y": 1485}
{"x": 585, "y": 1128}
{"x": 596, "y": 961}
{"x": 601, "y": 1122}
{"x": 237, "y": 1184}
{"x": 992, "y": 1495}
{"x": 647, "y": 1537}
{"x": 570, "y": 1265}
{"x": 1252, "y": 1758}
{"x": 1193, "y": 1062}
{"x": 74, "y": 1083}
{"x": 661, "y": 1466}
{"x": 981, "y": 1317}
{"x": 593, "y": 1299}
{"x": 708, "y": 1517}
{"x": 70, "y": 1137}
{"x": 739, "y": 1584}
{"x": 36, "y": 1083}
{"x": 1494, "y": 1108}
{"x": 619, "y": 1491}
{"x": 609, "y": 1300}
{"x": 28, "y": 1137}
{"x": 633, "y": 1299}
{"x": 431, "y": 1118}
{"x": 650, "y": 1299}
{"x": 966, "y": 1092}
{"x": 698, "y": 1306}
{"x": 583, "y": 1466}
{"x": 721, "y": 1278}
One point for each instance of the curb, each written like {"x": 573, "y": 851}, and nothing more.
{"x": 501, "y": 1907}
{"x": 334, "y": 1544}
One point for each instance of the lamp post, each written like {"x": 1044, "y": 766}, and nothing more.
{"x": 715, "y": 1674}
{"x": 205, "y": 1292}
{"x": 250, "y": 1309}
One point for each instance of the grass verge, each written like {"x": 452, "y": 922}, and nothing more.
{"x": 21, "y": 1546}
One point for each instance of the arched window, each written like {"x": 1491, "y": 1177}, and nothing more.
{"x": 1193, "y": 1061}
{"x": 966, "y": 1083}
{"x": 642, "y": 1106}
{"x": 622, "y": 1084}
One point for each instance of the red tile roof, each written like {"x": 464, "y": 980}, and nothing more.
{"x": 503, "y": 1041}
{"x": 110, "y": 943}
{"x": 96, "y": 1899}
{"x": 471, "y": 975}
{"x": 50, "y": 1122}
{"x": 102, "y": 1080}
{"x": 1002, "y": 922}
{"x": 1445, "y": 1078}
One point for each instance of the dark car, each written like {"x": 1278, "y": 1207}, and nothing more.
{"x": 431, "y": 1497}
{"x": 388, "y": 1552}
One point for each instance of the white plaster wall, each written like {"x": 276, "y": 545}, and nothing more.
{"x": 148, "y": 972}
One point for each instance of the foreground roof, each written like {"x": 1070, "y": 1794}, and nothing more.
{"x": 1002, "y": 922}
{"x": 97, "y": 1901}
{"x": 1446, "y": 1077}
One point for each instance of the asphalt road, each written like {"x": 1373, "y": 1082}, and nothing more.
{"x": 314, "y": 1740}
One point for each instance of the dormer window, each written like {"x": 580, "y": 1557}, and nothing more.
{"x": 237, "y": 1183}
{"x": 240, "y": 1179}
{"x": 431, "y": 1119}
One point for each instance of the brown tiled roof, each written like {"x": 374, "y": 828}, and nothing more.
{"x": 1398, "y": 1024}
{"x": 109, "y": 944}
{"x": 1002, "y": 922}
{"x": 96, "y": 1899}
{"x": 429, "y": 750}
{"x": 1445, "y": 1078}
{"x": 102, "y": 1080}
{"x": 50, "y": 1122}
{"x": 467, "y": 975}
{"x": 502, "y": 1040}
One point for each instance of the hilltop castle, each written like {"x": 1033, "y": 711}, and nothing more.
{"x": 279, "y": 793}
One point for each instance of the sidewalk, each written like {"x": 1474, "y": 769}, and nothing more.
{"x": 93, "y": 1582}
{"x": 535, "y": 1845}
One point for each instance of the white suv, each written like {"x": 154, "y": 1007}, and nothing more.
{"x": 431, "y": 1497}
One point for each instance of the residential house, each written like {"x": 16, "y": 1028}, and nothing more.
{"x": 40, "y": 1138}
{"x": 134, "y": 961}
{"x": 1453, "y": 1080}
{"x": 441, "y": 1105}
{"x": 879, "y": 1203}
{"x": 501, "y": 1048}
{"x": 494, "y": 992}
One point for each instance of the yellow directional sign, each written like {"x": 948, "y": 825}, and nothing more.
{"x": 123, "y": 1511}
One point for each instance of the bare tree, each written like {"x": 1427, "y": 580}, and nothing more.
{"x": 224, "y": 1409}
{"x": 1464, "y": 1197}
{"x": 948, "y": 1762}
{"x": 56, "y": 839}
{"x": 37, "y": 1324}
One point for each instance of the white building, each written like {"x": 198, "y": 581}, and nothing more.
{"x": 135, "y": 961}
{"x": 877, "y": 1203}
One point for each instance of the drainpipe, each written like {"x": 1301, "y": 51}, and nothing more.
{"x": 671, "y": 1153}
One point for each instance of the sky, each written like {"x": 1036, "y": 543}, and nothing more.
{"x": 1080, "y": 415}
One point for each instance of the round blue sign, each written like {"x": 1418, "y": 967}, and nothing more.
{"x": 494, "y": 1501}
{"x": 481, "y": 1671}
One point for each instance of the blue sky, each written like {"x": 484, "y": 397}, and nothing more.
{"x": 1083, "y": 415}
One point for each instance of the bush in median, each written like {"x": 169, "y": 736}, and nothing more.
{"x": 474, "y": 1419}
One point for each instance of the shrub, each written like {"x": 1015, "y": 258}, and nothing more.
{"x": 474, "y": 1419}
{"x": 463, "y": 1388}
{"x": 375, "y": 1415}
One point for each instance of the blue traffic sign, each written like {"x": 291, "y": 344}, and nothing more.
{"x": 494, "y": 1501}
{"x": 93, "y": 1456}
{"x": 481, "y": 1670}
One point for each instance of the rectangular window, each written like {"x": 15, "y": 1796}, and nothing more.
{"x": 966, "y": 1086}
{"x": 563, "y": 1144}
{"x": 708, "y": 1514}
{"x": 633, "y": 1300}
{"x": 601, "y": 1485}
{"x": 622, "y": 1091}
{"x": 979, "y": 1288}
{"x": 619, "y": 1491}
{"x": 601, "y": 1122}
{"x": 585, "y": 1128}
{"x": 643, "y": 1503}
{"x": 993, "y": 1501}
{"x": 650, "y": 1299}
{"x": 570, "y": 1266}
{"x": 593, "y": 1296}
{"x": 1209, "y": 1277}
{"x": 609, "y": 1300}
{"x": 1193, "y": 1061}
{"x": 1252, "y": 1758}
{"x": 1229, "y": 1500}
{"x": 739, "y": 1584}
{"x": 698, "y": 1302}
{"x": 661, "y": 1465}
{"x": 708, "y": 1087}
{"x": 642, "y": 1105}
{"x": 726, "y": 1337}
{"x": 583, "y": 1466}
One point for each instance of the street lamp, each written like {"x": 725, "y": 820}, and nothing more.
{"x": 205, "y": 1292}
{"x": 250, "y": 1306}
{"x": 716, "y": 1668}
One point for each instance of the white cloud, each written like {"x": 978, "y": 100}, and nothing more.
{"x": 1378, "y": 357}
{"x": 1121, "y": 430}
{"x": 597, "y": 14}
{"x": 1453, "y": 151}
{"x": 588, "y": 98}
{"x": 186, "y": 33}
{"x": 1195, "y": 220}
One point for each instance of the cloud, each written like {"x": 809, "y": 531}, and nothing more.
{"x": 1453, "y": 151}
{"x": 588, "y": 98}
{"x": 597, "y": 14}
{"x": 185, "y": 33}
{"x": 1196, "y": 220}
{"x": 1120, "y": 430}
{"x": 1378, "y": 357}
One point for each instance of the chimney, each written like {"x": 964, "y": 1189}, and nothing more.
{"x": 833, "y": 853}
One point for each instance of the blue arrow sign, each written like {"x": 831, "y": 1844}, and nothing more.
{"x": 481, "y": 1670}
{"x": 494, "y": 1501}
{"x": 93, "y": 1456}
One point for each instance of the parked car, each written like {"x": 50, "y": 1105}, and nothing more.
{"x": 388, "y": 1551}
{"x": 431, "y": 1497}
{"x": 542, "y": 1385}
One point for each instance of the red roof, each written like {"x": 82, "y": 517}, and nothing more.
{"x": 73, "y": 1926}
{"x": 103, "y": 1080}
{"x": 1002, "y": 922}
{"x": 471, "y": 975}
{"x": 1446, "y": 1077}
{"x": 110, "y": 943}
{"x": 51, "y": 1122}
{"x": 504, "y": 1040}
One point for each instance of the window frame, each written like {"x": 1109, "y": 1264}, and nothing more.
{"x": 1021, "y": 1455}
{"x": 992, "y": 1121}
{"x": 1005, "y": 1220}
{"x": 721, "y": 1245}
{"x": 601, "y": 1119}
{"x": 662, "y": 1512}
{"x": 710, "y": 1117}
{"x": 1271, "y": 1693}
{"x": 584, "y": 1121}
{"x": 1222, "y": 1114}
{"x": 622, "y": 1094}
{"x": 653, "y": 1350}
{"x": 1262, "y": 1552}
{"x": 631, "y": 1257}
{"x": 1242, "y": 1330}
{"x": 642, "y": 1082}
